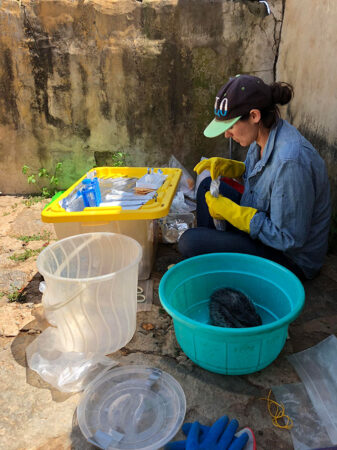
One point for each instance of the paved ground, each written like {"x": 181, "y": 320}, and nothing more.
{"x": 33, "y": 415}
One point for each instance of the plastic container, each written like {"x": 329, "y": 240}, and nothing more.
{"x": 90, "y": 192}
{"x": 138, "y": 224}
{"x": 91, "y": 290}
{"x": 174, "y": 225}
{"x": 132, "y": 407}
{"x": 277, "y": 293}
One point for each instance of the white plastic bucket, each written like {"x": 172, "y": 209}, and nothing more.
{"x": 91, "y": 290}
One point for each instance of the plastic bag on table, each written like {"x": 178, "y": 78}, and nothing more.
{"x": 151, "y": 180}
{"x": 87, "y": 193}
{"x": 180, "y": 204}
{"x": 317, "y": 368}
{"x": 73, "y": 202}
{"x": 187, "y": 183}
{"x": 66, "y": 371}
{"x": 119, "y": 185}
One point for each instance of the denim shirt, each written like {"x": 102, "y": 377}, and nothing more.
{"x": 289, "y": 187}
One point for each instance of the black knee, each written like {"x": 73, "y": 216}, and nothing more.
{"x": 187, "y": 243}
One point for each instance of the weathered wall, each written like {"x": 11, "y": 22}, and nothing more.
{"x": 82, "y": 79}
{"x": 307, "y": 60}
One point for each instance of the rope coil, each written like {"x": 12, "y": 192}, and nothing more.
{"x": 277, "y": 412}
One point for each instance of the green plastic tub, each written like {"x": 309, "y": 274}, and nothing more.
{"x": 277, "y": 293}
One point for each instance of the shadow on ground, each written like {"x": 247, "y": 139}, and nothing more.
{"x": 18, "y": 348}
{"x": 29, "y": 333}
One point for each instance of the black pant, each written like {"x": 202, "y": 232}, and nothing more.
{"x": 206, "y": 239}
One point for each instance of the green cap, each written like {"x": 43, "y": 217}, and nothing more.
{"x": 217, "y": 127}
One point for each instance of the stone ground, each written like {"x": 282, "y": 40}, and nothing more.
{"x": 33, "y": 415}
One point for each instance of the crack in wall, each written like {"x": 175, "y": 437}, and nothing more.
{"x": 277, "y": 40}
{"x": 9, "y": 113}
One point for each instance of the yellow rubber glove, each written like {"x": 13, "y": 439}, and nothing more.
{"x": 221, "y": 166}
{"x": 222, "y": 208}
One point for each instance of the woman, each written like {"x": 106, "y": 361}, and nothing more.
{"x": 284, "y": 211}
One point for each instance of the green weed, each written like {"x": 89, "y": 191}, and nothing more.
{"x": 28, "y": 253}
{"x": 45, "y": 236}
{"x": 15, "y": 295}
{"x": 119, "y": 159}
{"x": 32, "y": 200}
{"x": 111, "y": 159}
{"x": 46, "y": 181}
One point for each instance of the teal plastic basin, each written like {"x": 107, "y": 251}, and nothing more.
{"x": 277, "y": 293}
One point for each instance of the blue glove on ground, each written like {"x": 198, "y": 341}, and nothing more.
{"x": 181, "y": 445}
{"x": 218, "y": 437}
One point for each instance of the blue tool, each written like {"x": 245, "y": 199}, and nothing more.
{"x": 90, "y": 192}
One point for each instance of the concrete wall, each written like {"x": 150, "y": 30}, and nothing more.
{"x": 82, "y": 79}
{"x": 307, "y": 60}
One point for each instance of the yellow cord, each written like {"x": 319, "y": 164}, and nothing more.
{"x": 276, "y": 410}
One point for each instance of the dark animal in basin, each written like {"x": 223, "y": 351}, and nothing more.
{"x": 232, "y": 309}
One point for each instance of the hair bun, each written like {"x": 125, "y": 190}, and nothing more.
{"x": 281, "y": 92}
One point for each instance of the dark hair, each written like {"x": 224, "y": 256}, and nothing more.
{"x": 281, "y": 93}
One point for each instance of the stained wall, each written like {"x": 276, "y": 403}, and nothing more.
{"x": 81, "y": 80}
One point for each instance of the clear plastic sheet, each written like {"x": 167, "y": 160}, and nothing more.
{"x": 151, "y": 180}
{"x": 187, "y": 183}
{"x": 312, "y": 404}
{"x": 66, "y": 371}
{"x": 308, "y": 431}
{"x": 317, "y": 368}
{"x": 174, "y": 225}
{"x": 214, "y": 190}
{"x": 180, "y": 204}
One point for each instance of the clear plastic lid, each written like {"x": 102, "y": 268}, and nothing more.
{"x": 132, "y": 407}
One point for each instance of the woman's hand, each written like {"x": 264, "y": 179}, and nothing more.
{"x": 221, "y": 166}
{"x": 222, "y": 208}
